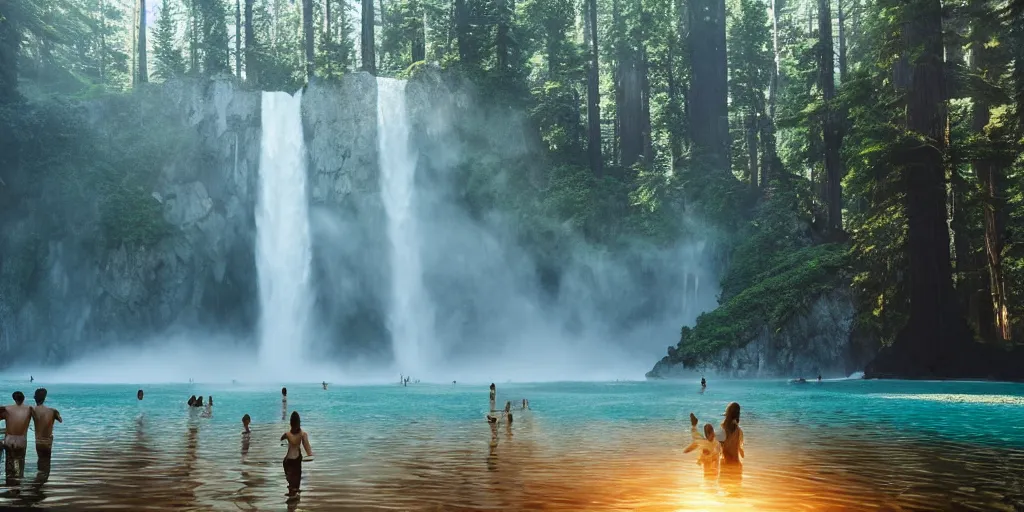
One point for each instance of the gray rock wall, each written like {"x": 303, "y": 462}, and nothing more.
{"x": 821, "y": 340}
{"x": 84, "y": 294}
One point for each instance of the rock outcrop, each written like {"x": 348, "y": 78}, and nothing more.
{"x": 821, "y": 339}
{"x": 81, "y": 291}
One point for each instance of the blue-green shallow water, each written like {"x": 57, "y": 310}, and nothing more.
{"x": 834, "y": 445}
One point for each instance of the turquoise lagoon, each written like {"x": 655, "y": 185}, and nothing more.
{"x": 834, "y": 445}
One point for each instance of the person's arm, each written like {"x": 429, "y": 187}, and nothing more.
{"x": 284, "y": 436}
{"x": 56, "y": 416}
{"x": 305, "y": 444}
{"x": 740, "y": 450}
{"x": 693, "y": 446}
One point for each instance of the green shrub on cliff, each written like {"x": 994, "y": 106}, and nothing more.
{"x": 776, "y": 271}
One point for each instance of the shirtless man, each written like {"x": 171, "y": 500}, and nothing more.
{"x": 43, "y": 417}
{"x": 18, "y": 417}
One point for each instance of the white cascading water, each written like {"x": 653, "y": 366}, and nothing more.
{"x": 283, "y": 248}
{"x": 410, "y": 319}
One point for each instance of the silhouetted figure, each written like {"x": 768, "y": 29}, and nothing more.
{"x": 139, "y": 395}
{"x": 192, "y": 401}
{"x": 819, "y": 377}
{"x": 43, "y": 418}
{"x": 18, "y": 416}
{"x": 293, "y": 458}
{"x": 325, "y": 385}
{"x": 31, "y": 379}
{"x": 246, "y": 434}
{"x": 494, "y": 394}
{"x": 703, "y": 383}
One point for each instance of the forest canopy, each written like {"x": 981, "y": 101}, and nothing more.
{"x": 870, "y": 144}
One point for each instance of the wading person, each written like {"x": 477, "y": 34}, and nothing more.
{"x": 297, "y": 439}
{"x": 18, "y": 416}
{"x": 43, "y": 418}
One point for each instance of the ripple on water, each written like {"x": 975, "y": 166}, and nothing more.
{"x": 584, "y": 448}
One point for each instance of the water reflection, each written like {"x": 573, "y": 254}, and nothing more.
{"x": 371, "y": 463}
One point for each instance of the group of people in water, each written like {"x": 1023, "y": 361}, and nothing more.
{"x": 716, "y": 449}
{"x": 18, "y": 417}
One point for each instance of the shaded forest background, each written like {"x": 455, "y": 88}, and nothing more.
{"x": 872, "y": 144}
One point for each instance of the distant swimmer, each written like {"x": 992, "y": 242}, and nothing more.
{"x": 703, "y": 383}
{"x": 31, "y": 378}
{"x": 494, "y": 394}
{"x": 325, "y": 385}
{"x": 139, "y": 395}
{"x": 819, "y": 377}
{"x": 453, "y": 383}
{"x": 43, "y": 417}
{"x": 246, "y": 434}
{"x": 296, "y": 437}
{"x": 284, "y": 403}
{"x": 523, "y": 408}
{"x": 18, "y": 416}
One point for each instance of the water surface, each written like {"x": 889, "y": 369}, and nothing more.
{"x": 838, "y": 445}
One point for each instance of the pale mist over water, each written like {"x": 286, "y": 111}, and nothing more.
{"x": 461, "y": 298}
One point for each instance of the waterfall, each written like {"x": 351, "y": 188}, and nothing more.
{"x": 410, "y": 318}
{"x": 283, "y": 249}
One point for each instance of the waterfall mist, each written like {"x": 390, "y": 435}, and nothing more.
{"x": 463, "y": 297}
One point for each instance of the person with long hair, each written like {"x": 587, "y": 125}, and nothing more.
{"x": 296, "y": 437}
{"x": 732, "y": 447}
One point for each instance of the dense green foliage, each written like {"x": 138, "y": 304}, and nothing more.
{"x": 658, "y": 169}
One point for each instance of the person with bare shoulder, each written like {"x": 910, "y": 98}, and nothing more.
{"x": 18, "y": 417}
{"x": 296, "y": 437}
{"x": 43, "y": 417}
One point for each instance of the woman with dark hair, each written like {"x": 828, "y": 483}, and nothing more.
{"x": 732, "y": 447}
{"x": 296, "y": 437}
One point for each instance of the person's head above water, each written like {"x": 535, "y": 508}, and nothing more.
{"x": 40, "y": 396}
{"x": 139, "y": 394}
{"x": 296, "y": 422}
{"x": 245, "y": 421}
{"x": 709, "y": 432}
{"x": 199, "y": 401}
{"x": 19, "y": 397}
{"x": 284, "y": 391}
{"x": 192, "y": 400}
{"x": 732, "y": 418}
{"x": 492, "y": 386}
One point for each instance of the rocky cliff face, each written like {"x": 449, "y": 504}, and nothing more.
{"x": 78, "y": 292}
{"x": 820, "y": 340}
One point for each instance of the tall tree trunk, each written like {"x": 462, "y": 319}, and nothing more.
{"x": 462, "y": 30}
{"x": 630, "y": 110}
{"x": 135, "y": 47}
{"x": 934, "y": 341}
{"x": 750, "y": 128}
{"x": 992, "y": 181}
{"x": 419, "y": 39}
{"x": 842, "y": 43}
{"x": 143, "y": 69}
{"x": 307, "y": 30}
{"x": 366, "y": 39}
{"x": 238, "y": 39}
{"x": 645, "y": 108}
{"x": 502, "y": 40}
{"x": 251, "y": 71}
{"x": 328, "y": 52}
{"x": 830, "y": 131}
{"x": 708, "y": 95}
{"x": 617, "y": 83}
{"x": 593, "y": 95}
